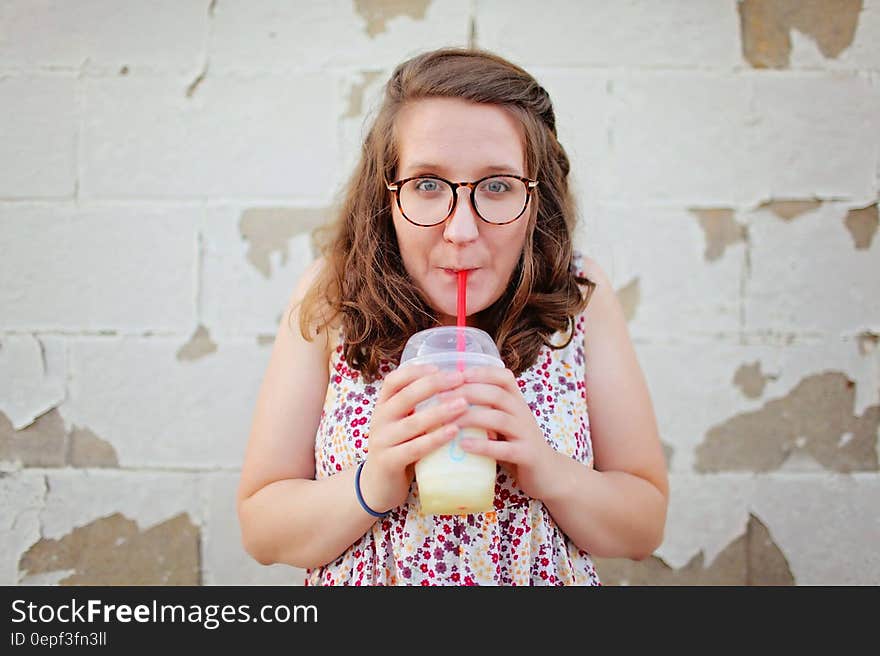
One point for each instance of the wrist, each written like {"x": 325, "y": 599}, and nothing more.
{"x": 557, "y": 481}
{"x": 366, "y": 488}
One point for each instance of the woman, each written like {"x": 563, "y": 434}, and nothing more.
{"x": 570, "y": 484}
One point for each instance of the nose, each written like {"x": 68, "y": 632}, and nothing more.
{"x": 463, "y": 226}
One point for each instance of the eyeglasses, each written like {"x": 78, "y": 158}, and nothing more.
{"x": 429, "y": 200}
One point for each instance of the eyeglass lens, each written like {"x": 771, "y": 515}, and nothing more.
{"x": 428, "y": 200}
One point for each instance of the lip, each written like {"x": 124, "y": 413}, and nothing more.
{"x": 455, "y": 270}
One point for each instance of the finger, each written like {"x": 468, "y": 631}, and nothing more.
{"x": 421, "y": 390}
{"x": 502, "y": 377}
{"x": 427, "y": 419}
{"x": 489, "y": 419}
{"x": 490, "y": 396}
{"x": 499, "y": 450}
{"x": 401, "y": 377}
{"x": 417, "y": 448}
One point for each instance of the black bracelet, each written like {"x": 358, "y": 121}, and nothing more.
{"x": 357, "y": 490}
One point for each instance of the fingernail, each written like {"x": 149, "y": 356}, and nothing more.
{"x": 458, "y": 404}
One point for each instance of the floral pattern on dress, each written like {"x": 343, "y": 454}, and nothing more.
{"x": 518, "y": 543}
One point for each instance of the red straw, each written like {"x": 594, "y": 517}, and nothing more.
{"x": 461, "y": 319}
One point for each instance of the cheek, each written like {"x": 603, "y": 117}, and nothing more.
{"x": 412, "y": 244}
{"x": 511, "y": 247}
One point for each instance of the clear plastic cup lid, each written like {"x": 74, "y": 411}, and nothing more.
{"x": 440, "y": 346}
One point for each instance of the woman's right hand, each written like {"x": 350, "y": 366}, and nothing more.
{"x": 398, "y": 436}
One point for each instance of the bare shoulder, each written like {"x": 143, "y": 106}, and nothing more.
{"x": 305, "y": 282}
{"x": 603, "y": 299}
{"x": 592, "y": 270}
{"x": 303, "y": 286}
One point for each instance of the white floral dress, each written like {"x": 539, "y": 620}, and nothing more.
{"x": 517, "y": 544}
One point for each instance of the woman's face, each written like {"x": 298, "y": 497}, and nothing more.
{"x": 460, "y": 141}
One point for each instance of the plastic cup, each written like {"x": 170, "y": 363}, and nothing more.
{"x": 452, "y": 481}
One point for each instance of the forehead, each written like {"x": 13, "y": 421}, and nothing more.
{"x": 458, "y": 135}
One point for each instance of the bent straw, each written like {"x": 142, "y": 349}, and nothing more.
{"x": 461, "y": 319}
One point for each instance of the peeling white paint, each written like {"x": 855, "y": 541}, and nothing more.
{"x": 32, "y": 377}
{"x": 22, "y": 497}
{"x": 79, "y": 497}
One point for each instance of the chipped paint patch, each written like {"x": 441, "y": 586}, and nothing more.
{"x": 42, "y": 444}
{"x": 629, "y": 297}
{"x": 356, "y": 94}
{"x": 862, "y": 226}
{"x": 269, "y": 230}
{"x": 811, "y": 418}
{"x": 789, "y": 210}
{"x": 377, "y": 13}
{"x": 868, "y": 342}
{"x": 113, "y": 551}
{"x": 668, "y": 452}
{"x": 721, "y": 230}
{"x": 749, "y": 379}
{"x": 265, "y": 340}
{"x": 198, "y": 346}
{"x": 767, "y": 564}
{"x": 765, "y": 27}
{"x": 89, "y": 450}
{"x": 751, "y": 559}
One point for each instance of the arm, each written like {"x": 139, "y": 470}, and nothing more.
{"x": 618, "y": 508}
{"x": 285, "y": 516}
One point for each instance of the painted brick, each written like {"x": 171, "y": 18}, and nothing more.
{"x": 38, "y": 127}
{"x": 22, "y": 496}
{"x": 706, "y": 394}
{"x": 824, "y": 524}
{"x": 581, "y": 105}
{"x": 77, "y": 497}
{"x": 225, "y": 560}
{"x": 678, "y": 34}
{"x": 678, "y": 294}
{"x": 706, "y": 513}
{"x": 33, "y": 373}
{"x": 820, "y": 522}
{"x": 797, "y": 281}
{"x": 862, "y": 53}
{"x": 818, "y": 135}
{"x": 684, "y": 137}
{"x": 159, "y": 412}
{"x": 234, "y": 137}
{"x": 97, "y": 268}
{"x": 237, "y": 297}
{"x": 362, "y": 91}
{"x": 266, "y": 35}
{"x": 103, "y": 36}
{"x": 98, "y": 501}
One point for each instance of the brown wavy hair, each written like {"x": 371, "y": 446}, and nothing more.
{"x": 363, "y": 284}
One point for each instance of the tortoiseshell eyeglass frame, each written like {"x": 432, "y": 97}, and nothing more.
{"x": 396, "y": 186}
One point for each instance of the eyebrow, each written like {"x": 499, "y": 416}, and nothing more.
{"x": 491, "y": 168}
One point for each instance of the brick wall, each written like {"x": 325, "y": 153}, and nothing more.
{"x": 161, "y": 166}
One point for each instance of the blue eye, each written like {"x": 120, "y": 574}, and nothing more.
{"x": 427, "y": 185}
{"x": 495, "y": 186}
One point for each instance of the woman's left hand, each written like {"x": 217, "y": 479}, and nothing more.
{"x": 498, "y": 406}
